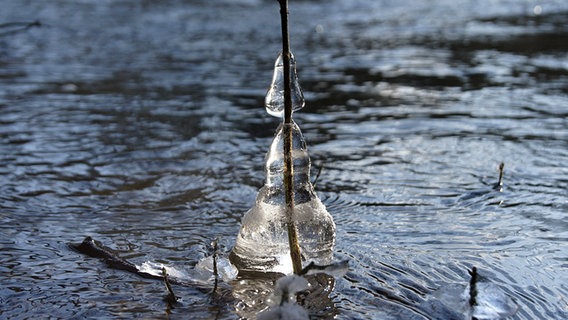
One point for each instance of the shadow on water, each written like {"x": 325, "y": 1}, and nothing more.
{"x": 141, "y": 124}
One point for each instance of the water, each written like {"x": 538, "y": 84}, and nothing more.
{"x": 142, "y": 125}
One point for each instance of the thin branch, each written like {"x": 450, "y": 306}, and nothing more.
{"x": 320, "y": 168}
{"x": 499, "y": 185}
{"x": 171, "y": 297}
{"x": 10, "y": 28}
{"x": 288, "y": 165}
{"x": 215, "y": 270}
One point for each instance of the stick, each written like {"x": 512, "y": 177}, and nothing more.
{"x": 473, "y": 287}
{"x": 288, "y": 167}
{"x": 171, "y": 295}
{"x": 215, "y": 270}
{"x": 320, "y": 168}
{"x": 15, "y": 27}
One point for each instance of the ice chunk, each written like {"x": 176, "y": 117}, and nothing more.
{"x": 155, "y": 269}
{"x": 492, "y": 303}
{"x": 282, "y": 300}
{"x": 225, "y": 269}
{"x": 286, "y": 311}
{"x": 262, "y": 243}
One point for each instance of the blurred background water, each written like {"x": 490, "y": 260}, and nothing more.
{"x": 141, "y": 124}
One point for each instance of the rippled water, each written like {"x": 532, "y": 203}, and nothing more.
{"x": 141, "y": 124}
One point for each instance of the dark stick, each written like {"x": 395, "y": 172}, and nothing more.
{"x": 288, "y": 167}
{"x": 171, "y": 295}
{"x": 215, "y": 270}
{"x": 95, "y": 249}
{"x": 472, "y": 287}
{"x": 15, "y": 27}
{"x": 320, "y": 168}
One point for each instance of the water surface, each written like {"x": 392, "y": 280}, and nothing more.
{"x": 142, "y": 125}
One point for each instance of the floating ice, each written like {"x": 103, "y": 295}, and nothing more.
{"x": 337, "y": 269}
{"x": 285, "y": 311}
{"x": 262, "y": 243}
{"x": 202, "y": 273}
{"x": 274, "y": 100}
{"x": 282, "y": 300}
{"x": 492, "y": 303}
{"x": 155, "y": 269}
{"x": 484, "y": 302}
{"x": 225, "y": 270}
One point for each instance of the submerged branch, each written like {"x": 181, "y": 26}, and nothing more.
{"x": 95, "y": 249}
{"x": 10, "y": 28}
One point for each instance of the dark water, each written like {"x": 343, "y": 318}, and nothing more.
{"x": 141, "y": 124}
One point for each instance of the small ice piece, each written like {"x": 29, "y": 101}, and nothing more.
{"x": 288, "y": 286}
{"x": 450, "y": 301}
{"x": 492, "y": 303}
{"x": 336, "y": 269}
{"x": 155, "y": 269}
{"x": 286, "y": 311}
{"x": 274, "y": 100}
{"x": 282, "y": 300}
{"x": 226, "y": 270}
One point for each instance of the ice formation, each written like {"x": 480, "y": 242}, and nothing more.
{"x": 262, "y": 242}
{"x": 274, "y": 100}
{"x": 283, "y": 299}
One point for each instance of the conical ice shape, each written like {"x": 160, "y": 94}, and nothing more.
{"x": 274, "y": 100}
{"x": 262, "y": 243}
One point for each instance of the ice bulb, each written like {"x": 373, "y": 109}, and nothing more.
{"x": 262, "y": 242}
{"x": 274, "y": 100}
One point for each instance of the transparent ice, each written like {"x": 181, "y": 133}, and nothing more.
{"x": 202, "y": 273}
{"x": 282, "y": 301}
{"x": 492, "y": 302}
{"x": 453, "y": 302}
{"x": 262, "y": 242}
{"x": 274, "y": 100}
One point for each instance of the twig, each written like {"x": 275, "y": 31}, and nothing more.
{"x": 320, "y": 168}
{"x": 473, "y": 287}
{"x": 95, "y": 249}
{"x": 288, "y": 166}
{"x": 215, "y": 271}
{"x": 171, "y": 297}
{"x": 499, "y": 185}
{"x": 17, "y": 27}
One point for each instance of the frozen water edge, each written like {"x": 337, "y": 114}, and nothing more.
{"x": 202, "y": 273}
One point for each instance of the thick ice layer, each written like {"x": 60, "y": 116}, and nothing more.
{"x": 262, "y": 243}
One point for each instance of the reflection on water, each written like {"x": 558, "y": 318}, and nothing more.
{"x": 142, "y": 125}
